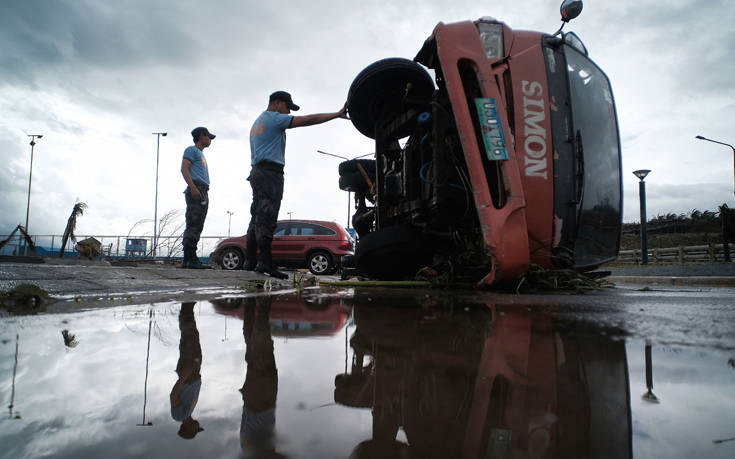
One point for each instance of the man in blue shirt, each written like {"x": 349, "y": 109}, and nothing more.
{"x": 196, "y": 174}
{"x": 268, "y": 156}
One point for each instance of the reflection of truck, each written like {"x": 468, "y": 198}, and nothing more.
{"x": 501, "y": 381}
{"x": 513, "y": 158}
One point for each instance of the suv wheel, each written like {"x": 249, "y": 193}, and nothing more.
{"x": 320, "y": 263}
{"x": 231, "y": 259}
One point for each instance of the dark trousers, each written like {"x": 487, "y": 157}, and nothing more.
{"x": 266, "y": 180}
{"x": 190, "y": 351}
{"x": 196, "y": 213}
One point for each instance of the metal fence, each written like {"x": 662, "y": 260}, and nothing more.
{"x": 709, "y": 253}
{"x": 112, "y": 246}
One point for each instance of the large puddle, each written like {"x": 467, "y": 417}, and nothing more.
{"x": 345, "y": 374}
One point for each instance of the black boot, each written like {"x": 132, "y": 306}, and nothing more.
{"x": 265, "y": 263}
{"x": 187, "y": 258}
{"x": 251, "y": 257}
{"x": 190, "y": 259}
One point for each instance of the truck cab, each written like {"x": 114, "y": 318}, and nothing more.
{"x": 495, "y": 149}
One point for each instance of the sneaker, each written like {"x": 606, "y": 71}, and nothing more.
{"x": 270, "y": 270}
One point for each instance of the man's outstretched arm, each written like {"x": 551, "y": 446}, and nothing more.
{"x": 318, "y": 118}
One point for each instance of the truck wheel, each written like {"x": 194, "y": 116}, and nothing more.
{"x": 379, "y": 90}
{"x": 354, "y": 182}
{"x": 348, "y": 167}
{"x": 392, "y": 253}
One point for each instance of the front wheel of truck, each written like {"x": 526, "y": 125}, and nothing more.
{"x": 383, "y": 89}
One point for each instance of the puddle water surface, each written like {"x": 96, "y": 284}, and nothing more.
{"x": 342, "y": 375}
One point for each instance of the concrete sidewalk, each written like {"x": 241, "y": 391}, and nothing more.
{"x": 87, "y": 280}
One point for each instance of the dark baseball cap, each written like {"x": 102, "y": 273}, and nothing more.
{"x": 284, "y": 96}
{"x": 200, "y": 131}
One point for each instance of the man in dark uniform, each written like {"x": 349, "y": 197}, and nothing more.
{"x": 196, "y": 174}
{"x": 268, "y": 156}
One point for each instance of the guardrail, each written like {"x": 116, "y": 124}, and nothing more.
{"x": 112, "y": 246}
{"x": 710, "y": 253}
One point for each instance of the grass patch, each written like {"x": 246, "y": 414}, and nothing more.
{"x": 24, "y": 299}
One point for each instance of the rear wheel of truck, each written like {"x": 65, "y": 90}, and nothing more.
{"x": 348, "y": 167}
{"x": 378, "y": 92}
{"x": 392, "y": 253}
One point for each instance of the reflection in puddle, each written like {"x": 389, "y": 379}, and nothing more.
{"x": 353, "y": 375}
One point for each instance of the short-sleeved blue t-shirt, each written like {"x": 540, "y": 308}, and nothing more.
{"x": 268, "y": 138}
{"x": 198, "y": 169}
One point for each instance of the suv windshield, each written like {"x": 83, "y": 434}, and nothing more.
{"x": 597, "y": 161}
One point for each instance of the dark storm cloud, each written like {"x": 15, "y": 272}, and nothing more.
{"x": 70, "y": 37}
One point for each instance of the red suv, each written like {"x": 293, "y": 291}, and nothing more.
{"x": 317, "y": 245}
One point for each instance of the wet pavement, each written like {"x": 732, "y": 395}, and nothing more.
{"x": 356, "y": 372}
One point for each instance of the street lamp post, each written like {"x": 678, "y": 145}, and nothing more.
{"x": 722, "y": 143}
{"x": 30, "y": 177}
{"x": 155, "y": 208}
{"x": 641, "y": 174}
{"x": 229, "y": 224}
{"x": 348, "y": 193}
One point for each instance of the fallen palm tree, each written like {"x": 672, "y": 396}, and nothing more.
{"x": 71, "y": 226}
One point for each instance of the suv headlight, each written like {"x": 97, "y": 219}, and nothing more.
{"x": 491, "y": 36}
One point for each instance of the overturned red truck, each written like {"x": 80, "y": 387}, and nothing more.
{"x": 509, "y": 156}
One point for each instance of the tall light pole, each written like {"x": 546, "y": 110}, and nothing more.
{"x": 721, "y": 143}
{"x": 229, "y": 224}
{"x": 30, "y": 177}
{"x": 155, "y": 208}
{"x": 641, "y": 174}
{"x": 348, "y": 193}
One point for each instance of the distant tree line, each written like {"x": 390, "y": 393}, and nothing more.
{"x": 696, "y": 221}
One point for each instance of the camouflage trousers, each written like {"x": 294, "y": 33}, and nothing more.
{"x": 266, "y": 180}
{"x": 196, "y": 213}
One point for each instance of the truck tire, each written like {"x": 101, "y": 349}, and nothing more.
{"x": 378, "y": 91}
{"x": 392, "y": 253}
{"x": 348, "y": 167}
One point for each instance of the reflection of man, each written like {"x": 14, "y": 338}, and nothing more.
{"x": 185, "y": 393}
{"x": 257, "y": 430}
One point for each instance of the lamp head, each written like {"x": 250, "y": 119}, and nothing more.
{"x": 700, "y": 137}
{"x": 164, "y": 134}
{"x": 641, "y": 173}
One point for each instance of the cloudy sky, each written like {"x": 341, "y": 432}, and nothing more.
{"x": 96, "y": 78}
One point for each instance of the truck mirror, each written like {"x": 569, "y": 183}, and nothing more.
{"x": 570, "y": 9}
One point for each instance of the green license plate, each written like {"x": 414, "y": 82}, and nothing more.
{"x": 492, "y": 129}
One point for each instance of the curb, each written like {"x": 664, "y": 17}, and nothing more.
{"x": 712, "y": 281}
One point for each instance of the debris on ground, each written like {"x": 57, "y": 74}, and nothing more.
{"x": 90, "y": 248}
{"x": 538, "y": 280}
{"x": 70, "y": 339}
{"x": 24, "y": 299}
{"x": 357, "y": 282}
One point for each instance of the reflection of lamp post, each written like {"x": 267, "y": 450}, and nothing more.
{"x": 641, "y": 174}
{"x": 30, "y": 176}
{"x": 12, "y": 393}
{"x": 348, "y": 193}
{"x": 155, "y": 209}
{"x": 721, "y": 143}
{"x": 147, "y": 356}
{"x": 229, "y": 224}
{"x": 649, "y": 396}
